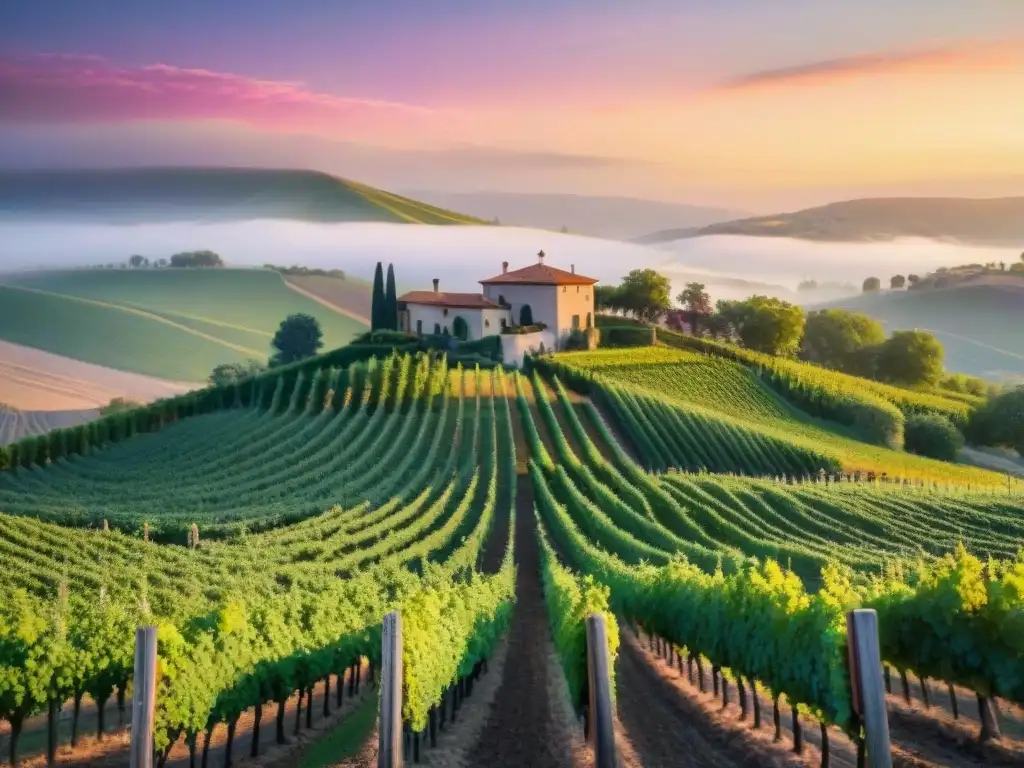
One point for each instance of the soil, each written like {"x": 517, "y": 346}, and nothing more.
{"x": 520, "y": 732}
{"x": 112, "y": 752}
{"x": 33, "y": 380}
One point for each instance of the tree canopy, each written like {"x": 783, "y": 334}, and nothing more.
{"x": 378, "y": 311}
{"x": 229, "y": 373}
{"x": 767, "y": 324}
{"x": 645, "y": 294}
{"x": 196, "y": 259}
{"x": 390, "y": 316}
{"x": 872, "y": 284}
{"x": 910, "y": 359}
{"x": 1000, "y": 421}
{"x": 842, "y": 340}
{"x": 897, "y": 282}
{"x": 298, "y": 337}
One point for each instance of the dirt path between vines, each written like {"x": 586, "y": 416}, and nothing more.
{"x": 521, "y": 731}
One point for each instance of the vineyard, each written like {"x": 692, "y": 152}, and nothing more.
{"x": 266, "y": 528}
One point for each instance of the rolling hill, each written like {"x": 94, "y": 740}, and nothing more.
{"x": 614, "y": 218}
{"x": 208, "y": 194}
{"x": 977, "y": 322}
{"x": 170, "y": 323}
{"x": 995, "y": 221}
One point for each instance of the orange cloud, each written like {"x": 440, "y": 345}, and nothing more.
{"x": 964, "y": 57}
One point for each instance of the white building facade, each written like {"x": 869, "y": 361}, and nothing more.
{"x": 562, "y": 301}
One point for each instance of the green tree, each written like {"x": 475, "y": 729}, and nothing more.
{"x": 933, "y": 436}
{"x": 1000, "y": 421}
{"x": 391, "y": 301}
{"x": 378, "y": 300}
{"x": 842, "y": 340}
{"x": 606, "y": 298}
{"x": 645, "y": 294}
{"x": 196, "y": 259}
{"x": 460, "y": 329}
{"x": 229, "y": 373}
{"x": 770, "y": 325}
{"x": 135, "y": 261}
{"x": 697, "y": 302}
{"x": 897, "y": 282}
{"x": 910, "y": 359}
{"x": 872, "y": 284}
{"x": 298, "y": 337}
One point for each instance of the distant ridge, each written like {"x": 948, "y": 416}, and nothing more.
{"x": 214, "y": 194}
{"x": 613, "y": 218}
{"x": 993, "y": 221}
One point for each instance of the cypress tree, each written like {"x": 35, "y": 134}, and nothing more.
{"x": 391, "y": 301}
{"x": 377, "y": 311}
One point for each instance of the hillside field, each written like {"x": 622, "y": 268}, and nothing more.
{"x": 175, "y": 324}
{"x": 978, "y": 324}
{"x": 269, "y": 526}
{"x": 121, "y": 195}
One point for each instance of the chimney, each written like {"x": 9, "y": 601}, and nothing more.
{"x": 540, "y": 258}
{"x": 572, "y": 268}
{"x": 504, "y": 267}
{"x": 436, "y": 283}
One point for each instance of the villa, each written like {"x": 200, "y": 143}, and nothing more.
{"x": 537, "y": 294}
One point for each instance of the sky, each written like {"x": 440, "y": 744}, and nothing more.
{"x": 758, "y": 105}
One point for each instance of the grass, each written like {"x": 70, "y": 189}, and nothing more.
{"x": 716, "y": 386}
{"x": 169, "y": 323}
{"x": 344, "y": 740}
{"x": 210, "y": 194}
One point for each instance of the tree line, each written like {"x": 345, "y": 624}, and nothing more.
{"x": 940, "y": 277}
{"x": 839, "y": 339}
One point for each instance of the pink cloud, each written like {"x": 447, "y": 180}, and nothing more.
{"x": 68, "y": 88}
{"x": 964, "y": 57}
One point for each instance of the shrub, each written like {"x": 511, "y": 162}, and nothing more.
{"x": 1000, "y": 421}
{"x": 933, "y": 436}
{"x": 628, "y": 336}
{"x": 521, "y": 329}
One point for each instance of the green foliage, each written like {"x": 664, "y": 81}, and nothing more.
{"x": 232, "y": 373}
{"x": 189, "y": 259}
{"x": 390, "y": 314}
{"x": 298, "y": 337}
{"x": 1000, "y": 422}
{"x": 644, "y": 294}
{"x": 842, "y": 340}
{"x": 460, "y": 329}
{"x": 872, "y": 285}
{"x": 769, "y": 325}
{"x": 378, "y": 301}
{"x": 897, "y": 282}
{"x": 911, "y": 359}
{"x": 627, "y": 336}
{"x": 933, "y": 436}
{"x": 570, "y": 599}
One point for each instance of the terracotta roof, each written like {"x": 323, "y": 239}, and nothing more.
{"x": 462, "y": 300}
{"x": 539, "y": 274}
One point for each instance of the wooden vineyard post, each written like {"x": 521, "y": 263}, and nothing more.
{"x": 144, "y": 698}
{"x": 601, "y": 728}
{"x": 866, "y": 685}
{"x": 390, "y": 754}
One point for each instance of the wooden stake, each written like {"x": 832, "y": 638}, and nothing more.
{"x": 869, "y": 691}
{"x": 144, "y": 701}
{"x": 389, "y": 753}
{"x": 601, "y": 726}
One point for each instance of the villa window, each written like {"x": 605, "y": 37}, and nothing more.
{"x": 445, "y": 312}
{"x": 564, "y": 288}
{"x": 575, "y": 322}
